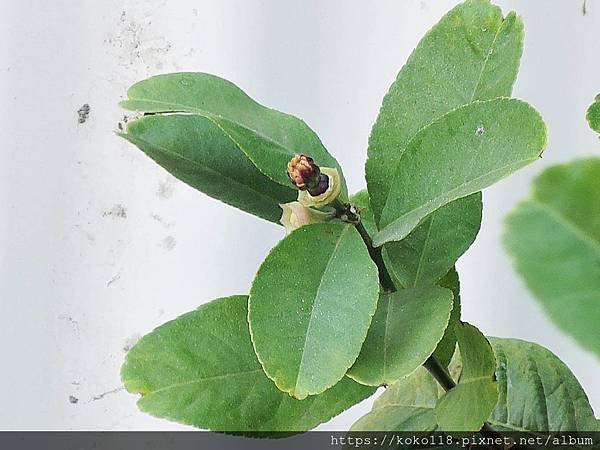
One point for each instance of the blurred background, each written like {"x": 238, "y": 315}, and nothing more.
{"x": 99, "y": 245}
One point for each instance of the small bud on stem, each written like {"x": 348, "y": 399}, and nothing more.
{"x": 318, "y": 186}
{"x": 307, "y": 176}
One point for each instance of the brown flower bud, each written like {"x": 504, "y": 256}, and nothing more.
{"x": 306, "y": 175}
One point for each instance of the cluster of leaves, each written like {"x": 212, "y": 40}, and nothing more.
{"x": 319, "y": 332}
{"x": 554, "y": 239}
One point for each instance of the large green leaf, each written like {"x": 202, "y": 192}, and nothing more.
{"x": 471, "y": 54}
{"x": 593, "y": 115}
{"x": 199, "y": 153}
{"x": 554, "y": 239}
{"x": 269, "y": 138}
{"x": 537, "y": 391}
{"x": 407, "y": 405}
{"x": 405, "y": 331}
{"x": 447, "y": 346}
{"x": 467, "y": 406}
{"x": 432, "y": 248}
{"x": 311, "y": 305}
{"x": 200, "y": 369}
{"x": 459, "y": 154}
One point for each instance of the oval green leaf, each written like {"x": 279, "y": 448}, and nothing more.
{"x": 537, "y": 391}
{"x": 593, "y": 115}
{"x": 199, "y": 153}
{"x": 200, "y": 369}
{"x": 406, "y": 328}
{"x": 554, "y": 239}
{"x": 467, "y": 406}
{"x": 269, "y": 138}
{"x": 464, "y": 151}
{"x": 471, "y": 54}
{"x": 311, "y": 305}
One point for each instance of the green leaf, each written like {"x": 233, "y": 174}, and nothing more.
{"x": 464, "y": 151}
{"x": 537, "y": 391}
{"x": 554, "y": 239}
{"x": 311, "y": 305}
{"x": 467, "y": 406}
{"x": 269, "y": 138}
{"x": 471, "y": 54}
{"x": 431, "y": 249}
{"x": 405, "y": 331}
{"x": 200, "y": 369}
{"x": 447, "y": 346}
{"x": 593, "y": 114}
{"x": 196, "y": 151}
{"x": 407, "y": 405}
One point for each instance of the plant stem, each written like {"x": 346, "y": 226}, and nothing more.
{"x": 439, "y": 372}
{"x": 384, "y": 276}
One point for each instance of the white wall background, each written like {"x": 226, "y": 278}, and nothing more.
{"x": 78, "y": 281}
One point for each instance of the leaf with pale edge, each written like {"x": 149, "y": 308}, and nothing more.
{"x": 311, "y": 305}
{"x": 200, "y": 369}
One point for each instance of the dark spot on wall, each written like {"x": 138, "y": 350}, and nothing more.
{"x": 83, "y": 113}
{"x": 116, "y": 211}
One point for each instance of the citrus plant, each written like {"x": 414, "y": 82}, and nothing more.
{"x": 362, "y": 291}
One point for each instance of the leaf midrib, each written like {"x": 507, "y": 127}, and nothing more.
{"x": 423, "y": 251}
{"x": 317, "y": 297}
{"x": 195, "y": 381}
{"x": 569, "y": 225}
{"x": 204, "y": 168}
